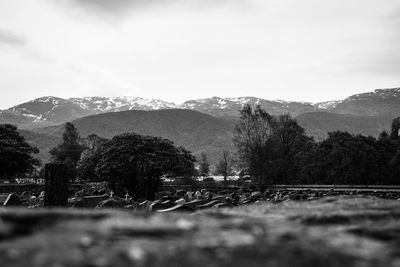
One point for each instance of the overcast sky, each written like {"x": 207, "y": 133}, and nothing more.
{"x": 175, "y": 50}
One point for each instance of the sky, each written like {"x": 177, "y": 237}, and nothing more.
{"x": 176, "y": 50}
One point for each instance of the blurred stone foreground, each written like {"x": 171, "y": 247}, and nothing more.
{"x": 333, "y": 231}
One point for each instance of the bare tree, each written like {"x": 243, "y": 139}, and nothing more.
{"x": 224, "y": 166}
{"x": 204, "y": 169}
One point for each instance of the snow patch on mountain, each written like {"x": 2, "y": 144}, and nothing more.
{"x": 113, "y": 104}
{"x": 328, "y": 105}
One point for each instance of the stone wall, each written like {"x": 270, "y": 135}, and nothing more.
{"x": 333, "y": 231}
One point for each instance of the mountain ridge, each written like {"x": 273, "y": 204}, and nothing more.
{"x": 50, "y": 110}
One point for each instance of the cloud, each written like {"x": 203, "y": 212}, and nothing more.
{"x": 10, "y": 38}
{"x": 107, "y": 6}
{"x": 123, "y": 7}
{"x": 385, "y": 59}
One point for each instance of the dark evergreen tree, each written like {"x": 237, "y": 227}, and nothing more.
{"x": 289, "y": 139}
{"x": 70, "y": 150}
{"x": 15, "y": 153}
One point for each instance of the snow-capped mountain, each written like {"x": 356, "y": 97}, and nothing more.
{"x": 218, "y": 106}
{"x": 51, "y": 110}
{"x": 113, "y": 104}
{"x": 390, "y": 93}
{"x": 381, "y": 102}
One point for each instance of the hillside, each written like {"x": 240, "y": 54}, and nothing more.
{"x": 42, "y": 141}
{"x": 195, "y": 131}
{"x": 44, "y": 111}
{"x": 318, "y": 124}
{"x": 381, "y": 102}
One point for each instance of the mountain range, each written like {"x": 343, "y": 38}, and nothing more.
{"x": 46, "y": 111}
{"x": 202, "y": 125}
{"x": 50, "y": 110}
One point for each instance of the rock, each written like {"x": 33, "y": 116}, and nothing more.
{"x": 144, "y": 206}
{"x": 221, "y": 198}
{"x": 193, "y": 204}
{"x": 89, "y": 201}
{"x": 180, "y": 201}
{"x": 178, "y": 208}
{"x": 161, "y": 205}
{"x": 110, "y": 203}
{"x": 208, "y": 204}
{"x": 222, "y": 205}
{"x": 130, "y": 207}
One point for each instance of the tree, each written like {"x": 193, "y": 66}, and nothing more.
{"x": 289, "y": 139}
{"x": 277, "y": 150}
{"x": 394, "y": 168}
{"x": 70, "y": 147}
{"x": 15, "y": 153}
{"x": 204, "y": 165}
{"x": 137, "y": 162}
{"x": 383, "y": 135}
{"x": 70, "y": 150}
{"x": 90, "y": 157}
{"x": 268, "y": 146}
{"x": 344, "y": 158}
{"x": 224, "y": 166}
{"x": 252, "y": 138}
{"x": 394, "y": 134}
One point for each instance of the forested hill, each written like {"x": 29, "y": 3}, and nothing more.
{"x": 195, "y": 131}
{"x": 318, "y": 124}
{"x": 43, "y": 141}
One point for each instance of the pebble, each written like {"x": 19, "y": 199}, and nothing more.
{"x": 136, "y": 254}
{"x": 85, "y": 241}
{"x": 186, "y": 225}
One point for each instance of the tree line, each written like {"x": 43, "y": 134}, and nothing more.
{"x": 271, "y": 149}
{"x": 276, "y": 150}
